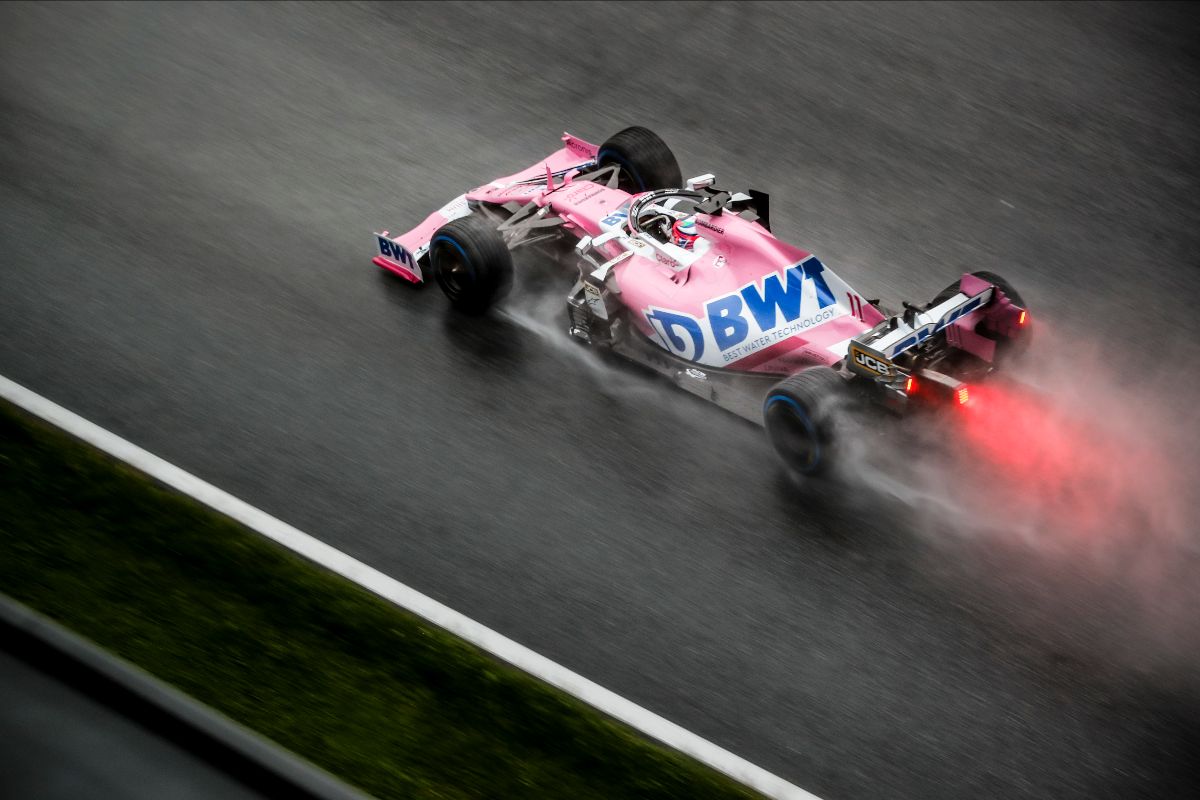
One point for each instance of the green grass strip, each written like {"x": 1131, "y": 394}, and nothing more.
{"x": 368, "y": 692}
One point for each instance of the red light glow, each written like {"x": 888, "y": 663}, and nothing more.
{"x": 910, "y": 386}
{"x": 1055, "y": 458}
{"x": 1044, "y": 459}
{"x": 1021, "y": 319}
{"x": 963, "y": 395}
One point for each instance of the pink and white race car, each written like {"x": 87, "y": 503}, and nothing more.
{"x": 688, "y": 279}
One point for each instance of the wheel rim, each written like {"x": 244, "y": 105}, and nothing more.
{"x": 453, "y": 271}
{"x": 456, "y": 274}
{"x": 792, "y": 433}
{"x": 629, "y": 180}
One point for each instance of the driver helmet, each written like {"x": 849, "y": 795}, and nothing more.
{"x": 683, "y": 233}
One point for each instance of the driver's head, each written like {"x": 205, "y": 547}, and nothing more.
{"x": 683, "y": 233}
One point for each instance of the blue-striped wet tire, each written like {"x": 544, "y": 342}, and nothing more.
{"x": 471, "y": 263}
{"x": 645, "y": 160}
{"x": 799, "y": 416}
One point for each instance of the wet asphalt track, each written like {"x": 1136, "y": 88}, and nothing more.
{"x": 187, "y": 196}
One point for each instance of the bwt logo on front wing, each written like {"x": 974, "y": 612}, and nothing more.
{"x": 751, "y": 311}
{"x": 396, "y": 252}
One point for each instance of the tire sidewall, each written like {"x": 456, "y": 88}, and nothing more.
{"x": 607, "y": 155}
{"x": 787, "y": 419}
{"x": 644, "y": 159}
{"x": 471, "y": 264}
{"x": 460, "y": 294}
{"x": 802, "y": 415}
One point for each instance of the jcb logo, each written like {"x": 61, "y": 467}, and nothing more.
{"x": 871, "y": 363}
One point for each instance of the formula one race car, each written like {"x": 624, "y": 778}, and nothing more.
{"x": 687, "y": 278}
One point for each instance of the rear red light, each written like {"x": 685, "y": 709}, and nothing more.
{"x": 910, "y": 385}
{"x": 962, "y": 395}
{"x": 1021, "y": 319}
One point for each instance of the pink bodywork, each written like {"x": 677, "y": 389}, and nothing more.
{"x": 574, "y": 154}
{"x": 384, "y": 262}
{"x": 740, "y": 257}
{"x": 744, "y": 254}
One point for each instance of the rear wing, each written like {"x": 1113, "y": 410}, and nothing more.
{"x": 921, "y": 325}
{"x": 873, "y": 354}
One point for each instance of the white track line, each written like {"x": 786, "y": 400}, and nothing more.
{"x": 313, "y": 549}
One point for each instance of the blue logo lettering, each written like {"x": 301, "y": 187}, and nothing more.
{"x": 775, "y": 298}
{"x": 812, "y": 270}
{"x": 395, "y": 251}
{"x": 617, "y": 217}
{"x": 781, "y": 295}
{"x": 924, "y": 333}
{"x": 665, "y": 323}
{"x": 725, "y": 319}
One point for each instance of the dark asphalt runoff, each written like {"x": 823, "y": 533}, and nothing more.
{"x": 60, "y": 744}
{"x": 187, "y": 194}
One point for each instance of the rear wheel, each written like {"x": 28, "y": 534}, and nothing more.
{"x": 800, "y": 414}
{"x": 1003, "y": 285}
{"x": 996, "y": 280}
{"x": 471, "y": 263}
{"x": 645, "y": 160}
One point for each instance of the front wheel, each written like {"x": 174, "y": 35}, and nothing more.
{"x": 800, "y": 413}
{"x": 645, "y": 161}
{"x": 471, "y": 263}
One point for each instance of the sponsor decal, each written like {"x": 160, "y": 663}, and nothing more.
{"x": 869, "y": 362}
{"x": 396, "y": 252}
{"x": 756, "y": 316}
{"x": 777, "y": 335}
{"x": 855, "y": 305}
{"x": 575, "y": 196}
{"x": 671, "y": 328}
{"x": 595, "y": 300}
{"x": 456, "y": 208}
{"x": 929, "y": 329}
{"x": 616, "y": 218}
{"x": 575, "y": 145}
{"x": 703, "y": 224}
